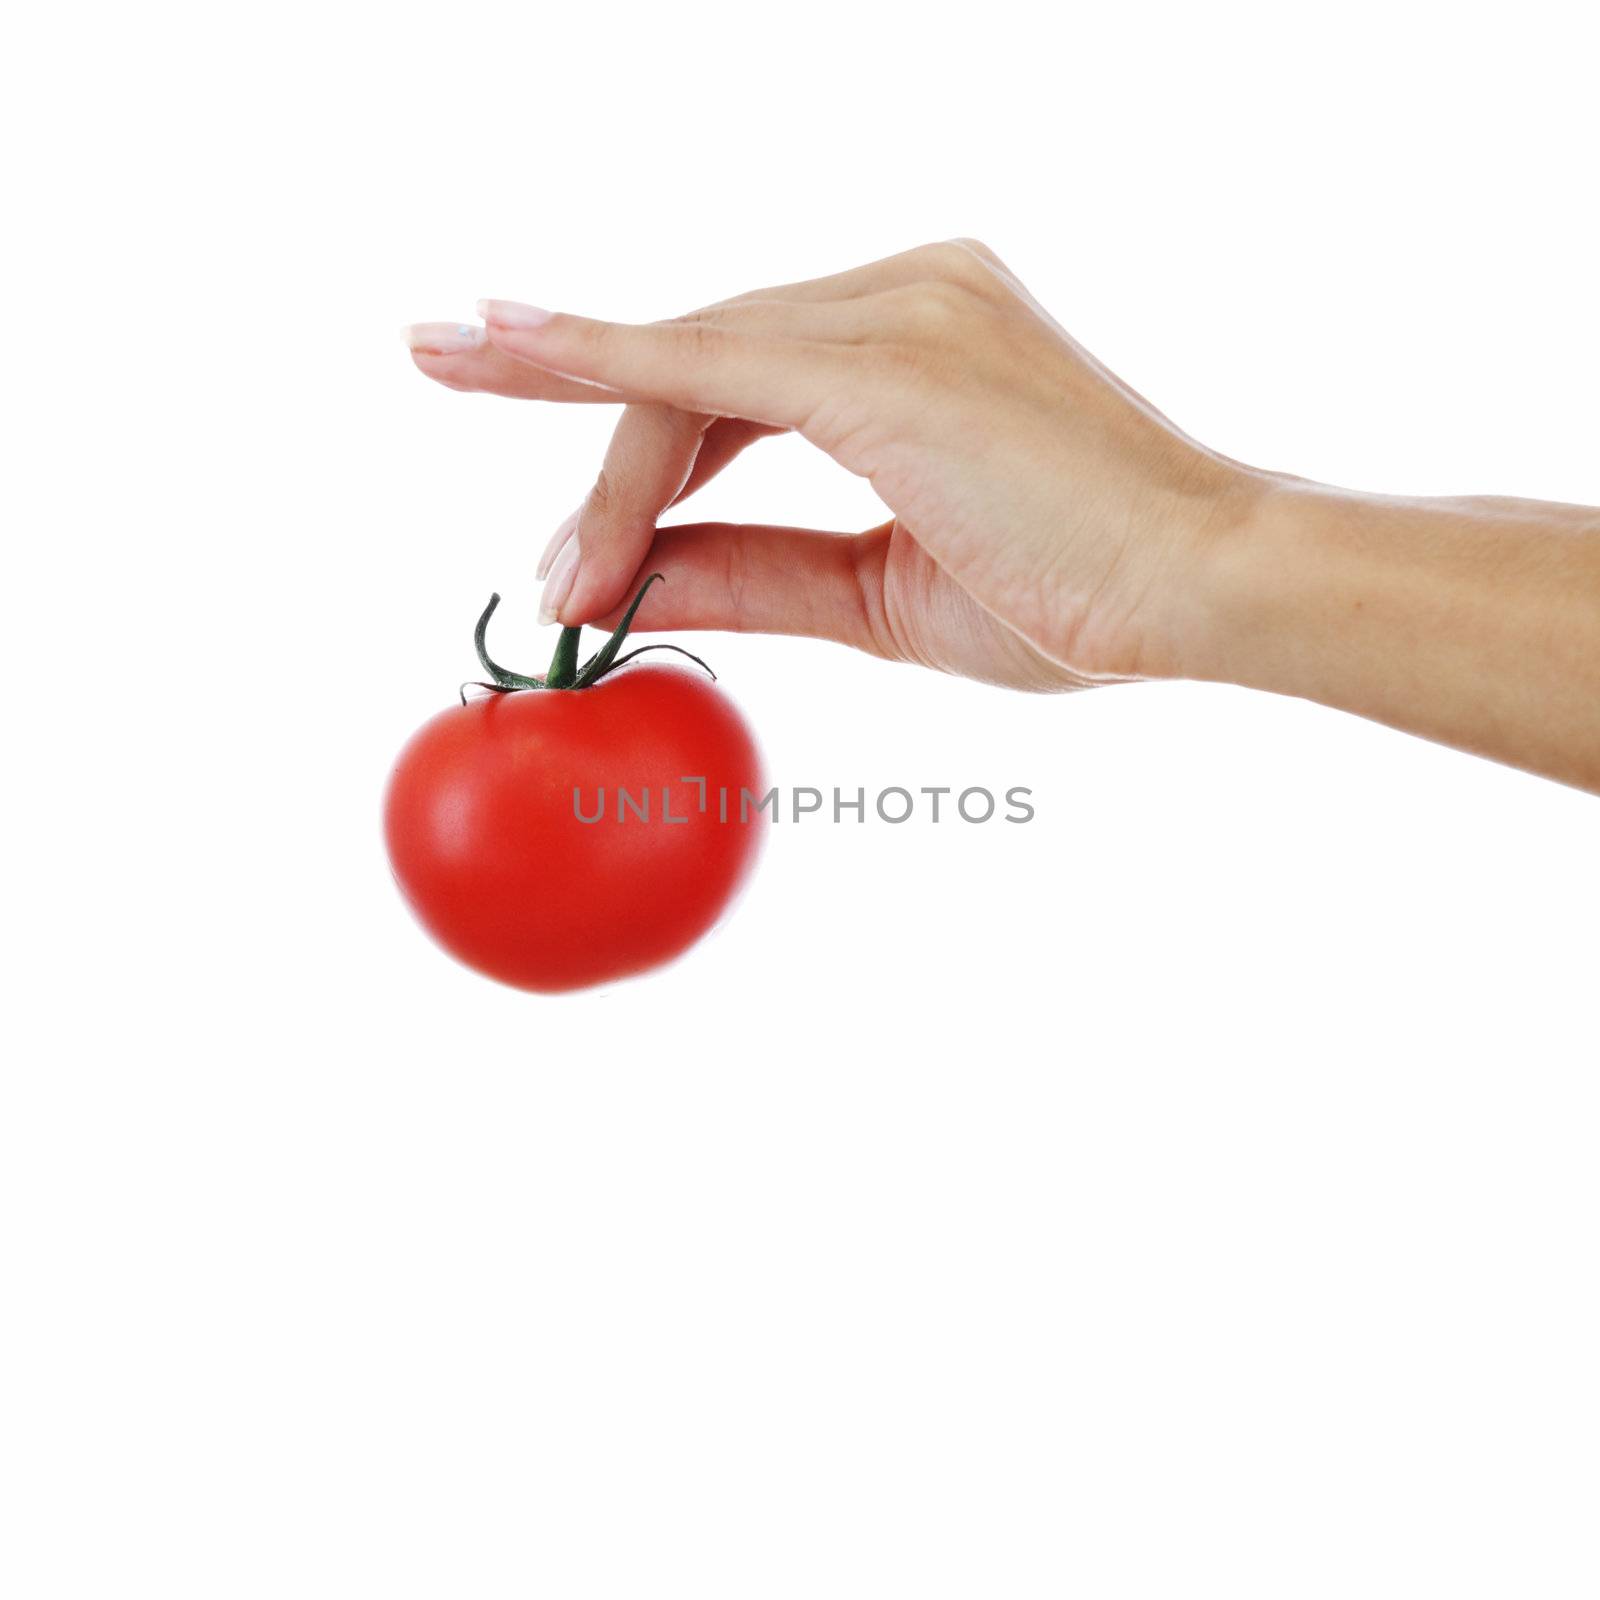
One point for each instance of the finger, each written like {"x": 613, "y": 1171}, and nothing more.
{"x": 720, "y": 443}
{"x": 724, "y": 440}
{"x": 707, "y": 366}
{"x": 746, "y": 578}
{"x": 764, "y": 361}
{"x": 460, "y": 357}
{"x": 961, "y": 261}
{"x": 740, "y": 578}
{"x": 657, "y": 456}
{"x": 647, "y": 463}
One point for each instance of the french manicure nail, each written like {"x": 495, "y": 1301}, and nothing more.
{"x": 559, "y": 584}
{"x": 442, "y": 338}
{"x": 557, "y": 543}
{"x": 512, "y": 314}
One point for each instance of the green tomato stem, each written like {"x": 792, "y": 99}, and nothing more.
{"x": 606, "y": 656}
{"x": 563, "y": 671}
{"x": 502, "y": 678}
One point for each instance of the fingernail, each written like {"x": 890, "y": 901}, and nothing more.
{"x": 559, "y": 584}
{"x": 557, "y": 543}
{"x": 442, "y": 338}
{"x": 511, "y": 314}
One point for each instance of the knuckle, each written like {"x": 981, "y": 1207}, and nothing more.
{"x": 698, "y": 335}
{"x": 602, "y": 497}
{"x": 870, "y": 625}
{"x": 978, "y": 248}
{"x": 736, "y": 581}
{"x": 591, "y": 336}
{"x": 702, "y": 327}
{"x": 953, "y": 261}
{"x": 934, "y": 307}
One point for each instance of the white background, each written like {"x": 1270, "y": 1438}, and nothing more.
{"x": 1193, "y": 1192}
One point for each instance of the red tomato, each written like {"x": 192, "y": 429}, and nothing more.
{"x": 493, "y": 859}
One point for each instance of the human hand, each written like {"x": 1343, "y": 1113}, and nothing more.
{"x": 1050, "y": 528}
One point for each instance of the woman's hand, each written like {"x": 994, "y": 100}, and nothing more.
{"x": 1050, "y": 527}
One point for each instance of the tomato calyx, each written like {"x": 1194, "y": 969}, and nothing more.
{"x": 565, "y": 672}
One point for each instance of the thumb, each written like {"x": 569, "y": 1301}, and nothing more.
{"x": 751, "y": 578}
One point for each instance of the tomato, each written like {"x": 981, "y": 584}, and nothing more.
{"x": 492, "y": 829}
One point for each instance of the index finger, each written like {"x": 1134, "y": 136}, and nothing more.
{"x": 696, "y": 366}
{"x": 460, "y": 357}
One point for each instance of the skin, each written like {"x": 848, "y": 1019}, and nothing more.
{"x": 1050, "y": 529}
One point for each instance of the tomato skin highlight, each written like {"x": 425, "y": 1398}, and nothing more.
{"x": 494, "y": 862}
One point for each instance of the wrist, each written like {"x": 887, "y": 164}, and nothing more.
{"x": 1266, "y": 556}
{"x": 1215, "y": 603}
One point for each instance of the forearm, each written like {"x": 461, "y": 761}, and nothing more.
{"x": 1475, "y": 622}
